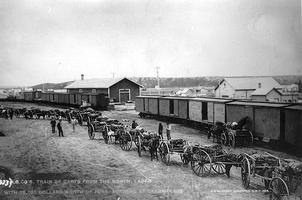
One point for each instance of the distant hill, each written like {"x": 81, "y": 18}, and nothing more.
{"x": 52, "y": 85}
{"x": 151, "y": 82}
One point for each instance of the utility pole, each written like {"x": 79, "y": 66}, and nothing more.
{"x": 113, "y": 74}
{"x": 157, "y": 74}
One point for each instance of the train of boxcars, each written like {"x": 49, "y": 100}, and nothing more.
{"x": 99, "y": 101}
{"x": 279, "y": 123}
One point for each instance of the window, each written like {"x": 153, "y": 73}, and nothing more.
{"x": 93, "y": 90}
{"x": 80, "y": 90}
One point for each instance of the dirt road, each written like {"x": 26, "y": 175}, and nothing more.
{"x": 74, "y": 167}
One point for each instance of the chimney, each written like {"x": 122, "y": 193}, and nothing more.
{"x": 259, "y": 85}
{"x": 82, "y": 76}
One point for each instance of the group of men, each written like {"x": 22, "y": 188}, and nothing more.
{"x": 53, "y": 124}
{"x": 160, "y": 129}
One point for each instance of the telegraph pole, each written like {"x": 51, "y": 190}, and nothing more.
{"x": 113, "y": 74}
{"x": 157, "y": 73}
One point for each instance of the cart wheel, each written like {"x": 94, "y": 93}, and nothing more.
{"x": 278, "y": 189}
{"x": 251, "y": 139}
{"x": 126, "y": 141}
{"x": 219, "y": 168}
{"x": 232, "y": 141}
{"x": 139, "y": 148}
{"x": 164, "y": 153}
{"x": 81, "y": 120}
{"x": 105, "y": 135}
{"x": 223, "y": 139}
{"x": 209, "y": 134}
{"x": 91, "y": 134}
{"x": 245, "y": 173}
{"x": 201, "y": 164}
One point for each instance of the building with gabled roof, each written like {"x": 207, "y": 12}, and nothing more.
{"x": 117, "y": 89}
{"x": 243, "y": 87}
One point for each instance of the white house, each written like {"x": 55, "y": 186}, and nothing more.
{"x": 242, "y": 87}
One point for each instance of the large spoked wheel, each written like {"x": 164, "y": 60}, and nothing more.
{"x": 209, "y": 134}
{"x": 91, "y": 134}
{"x": 126, "y": 141}
{"x": 245, "y": 173}
{"x": 164, "y": 153}
{"x": 232, "y": 140}
{"x": 139, "y": 147}
{"x": 201, "y": 164}
{"x": 278, "y": 189}
{"x": 105, "y": 135}
{"x": 80, "y": 120}
{"x": 219, "y": 168}
{"x": 223, "y": 139}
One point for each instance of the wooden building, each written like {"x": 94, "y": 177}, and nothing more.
{"x": 118, "y": 90}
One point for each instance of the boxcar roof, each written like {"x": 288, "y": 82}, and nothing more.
{"x": 263, "y": 104}
{"x": 211, "y": 100}
{"x": 296, "y": 107}
{"x": 146, "y": 96}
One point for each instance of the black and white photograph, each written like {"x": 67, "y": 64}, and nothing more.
{"x": 150, "y": 99}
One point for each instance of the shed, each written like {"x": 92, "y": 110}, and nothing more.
{"x": 118, "y": 90}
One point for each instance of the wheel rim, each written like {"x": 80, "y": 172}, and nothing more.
{"x": 139, "y": 148}
{"x": 251, "y": 139}
{"x": 126, "y": 141}
{"x": 164, "y": 153}
{"x": 105, "y": 135}
{"x": 223, "y": 139}
{"x": 201, "y": 164}
{"x": 90, "y": 131}
{"x": 219, "y": 168}
{"x": 278, "y": 189}
{"x": 245, "y": 173}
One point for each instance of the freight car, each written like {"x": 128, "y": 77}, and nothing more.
{"x": 267, "y": 118}
{"x": 277, "y": 123}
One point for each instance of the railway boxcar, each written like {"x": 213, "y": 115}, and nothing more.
{"x": 267, "y": 118}
{"x": 173, "y": 107}
{"x": 147, "y": 104}
{"x": 44, "y": 97}
{"x": 207, "y": 110}
{"x": 28, "y": 96}
{"x": 293, "y": 126}
{"x": 55, "y": 97}
{"x": 66, "y": 98}
{"x": 60, "y": 98}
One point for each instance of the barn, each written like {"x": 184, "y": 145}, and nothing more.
{"x": 118, "y": 90}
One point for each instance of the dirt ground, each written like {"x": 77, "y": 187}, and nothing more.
{"x": 45, "y": 166}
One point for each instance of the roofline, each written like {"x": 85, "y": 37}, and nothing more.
{"x": 128, "y": 80}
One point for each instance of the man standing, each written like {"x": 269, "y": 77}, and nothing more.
{"x": 11, "y": 113}
{"x": 168, "y": 131}
{"x": 53, "y": 124}
{"x": 73, "y": 123}
{"x": 59, "y": 125}
{"x": 160, "y": 130}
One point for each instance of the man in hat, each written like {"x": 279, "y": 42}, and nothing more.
{"x": 59, "y": 126}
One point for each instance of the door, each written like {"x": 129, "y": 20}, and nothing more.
{"x": 124, "y": 95}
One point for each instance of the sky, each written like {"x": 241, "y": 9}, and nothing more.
{"x": 57, "y": 40}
